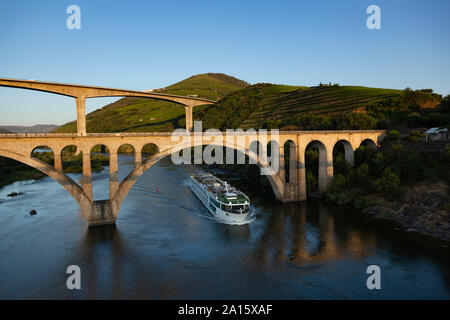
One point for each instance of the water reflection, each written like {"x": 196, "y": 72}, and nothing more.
{"x": 164, "y": 247}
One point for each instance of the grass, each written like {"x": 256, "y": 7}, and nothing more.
{"x": 143, "y": 115}
{"x": 239, "y": 105}
{"x": 283, "y": 105}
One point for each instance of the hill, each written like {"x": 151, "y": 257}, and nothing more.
{"x": 265, "y": 105}
{"x": 39, "y": 128}
{"x": 277, "y": 106}
{"x": 140, "y": 114}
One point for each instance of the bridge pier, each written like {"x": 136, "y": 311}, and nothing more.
{"x": 100, "y": 213}
{"x": 58, "y": 162}
{"x": 86, "y": 179}
{"x": 189, "y": 117}
{"x": 325, "y": 170}
{"x": 81, "y": 116}
{"x": 113, "y": 175}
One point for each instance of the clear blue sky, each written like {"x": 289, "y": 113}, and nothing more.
{"x": 150, "y": 44}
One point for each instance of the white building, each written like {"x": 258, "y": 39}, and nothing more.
{"x": 436, "y": 134}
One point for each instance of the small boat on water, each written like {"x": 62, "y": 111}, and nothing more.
{"x": 226, "y": 204}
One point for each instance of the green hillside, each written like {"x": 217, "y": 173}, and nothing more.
{"x": 279, "y": 106}
{"x": 285, "y": 106}
{"x": 144, "y": 115}
{"x": 265, "y": 105}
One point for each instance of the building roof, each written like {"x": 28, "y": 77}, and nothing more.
{"x": 436, "y": 130}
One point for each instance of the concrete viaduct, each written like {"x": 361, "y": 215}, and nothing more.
{"x": 286, "y": 187}
{"x": 80, "y": 93}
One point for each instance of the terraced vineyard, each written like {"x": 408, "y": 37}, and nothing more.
{"x": 287, "y": 105}
{"x": 239, "y": 105}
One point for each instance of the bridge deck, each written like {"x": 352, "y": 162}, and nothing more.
{"x": 166, "y": 134}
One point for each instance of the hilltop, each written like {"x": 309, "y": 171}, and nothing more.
{"x": 140, "y": 114}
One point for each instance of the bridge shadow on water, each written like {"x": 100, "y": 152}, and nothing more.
{"x": 290, "y": 242}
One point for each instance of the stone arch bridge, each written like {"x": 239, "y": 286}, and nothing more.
{"x": 286, "y": 187}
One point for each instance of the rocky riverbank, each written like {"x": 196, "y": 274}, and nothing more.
{"x": 423, "y": 208}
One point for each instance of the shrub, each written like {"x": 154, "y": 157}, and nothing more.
{"x": 447, "y": 206}
{"x": 362, "y": 175}
{"x": 414, "y": 135}
{"x": 388, "y": 184}
{"x": 338, "y": 183}
{"x": 393, "y": 135}
{"x": 362, "y": 202}
{"x": 311, "y": 181}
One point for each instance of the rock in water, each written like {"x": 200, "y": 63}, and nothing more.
{"x": 14, "y": 194}
{"x": 33, "y": 212}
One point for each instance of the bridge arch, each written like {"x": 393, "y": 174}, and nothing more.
{"x": 128, "y": 182}
{"x": 66, "y": 182}
{"x": 43, "y": 149}
{"x": 290, "y": 161}
{"x": 323, "y": 163}
{"x": 369, "y": 143}
{"x": 349, "y": 153}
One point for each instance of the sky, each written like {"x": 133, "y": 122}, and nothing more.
{"x": 150, "y": 44}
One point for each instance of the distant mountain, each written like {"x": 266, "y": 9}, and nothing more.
{"x": 4, "y": 131}
{"x": 143, "y": 115}
{"x": 39, "y": 128}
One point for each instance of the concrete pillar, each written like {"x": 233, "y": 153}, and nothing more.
{"x": 349, "y": 155}
{"x": 113, "y": 175}
{"x": 102, "y": 213}
{"x": 137, "y": 157}
{"x": 86, "y": 180}
{"x": 81, "y": 116}
{"x": 58, "y": 162}
{"x": 281, "y": 172}
{"x": 189, "y": 118}
{"x": 325, "y": 168}
{"x": 292, "y": 163}
{"x": 301, "y": 175}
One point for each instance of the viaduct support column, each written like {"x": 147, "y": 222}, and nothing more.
{"x": 349, "y": 155}
{"x": 58, "y": 161}
{"x": 189, "y": 118}
{"x": 81, "y": 116}
{"x": 113, "y": 175}
{"x": 325, "y": 168}
{"x": 86, "y": 180}
{"x": 301, "y": 174}
{"x": 96, "y": 212}
{"x": 282, "y": 169}
{"x": 292, "y": 163}
{"x": 138, "y": 161}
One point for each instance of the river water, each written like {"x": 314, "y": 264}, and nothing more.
{"x": 165, "y": 246}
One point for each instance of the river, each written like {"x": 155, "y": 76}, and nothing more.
{"x": 164, "y": 246}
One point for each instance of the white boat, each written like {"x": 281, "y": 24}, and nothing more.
{"x": 226, "y": 204}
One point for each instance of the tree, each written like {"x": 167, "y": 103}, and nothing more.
{"x": 388, "y": 184}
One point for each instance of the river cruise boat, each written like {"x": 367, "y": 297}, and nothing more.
{"x": 226, "y": 204}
